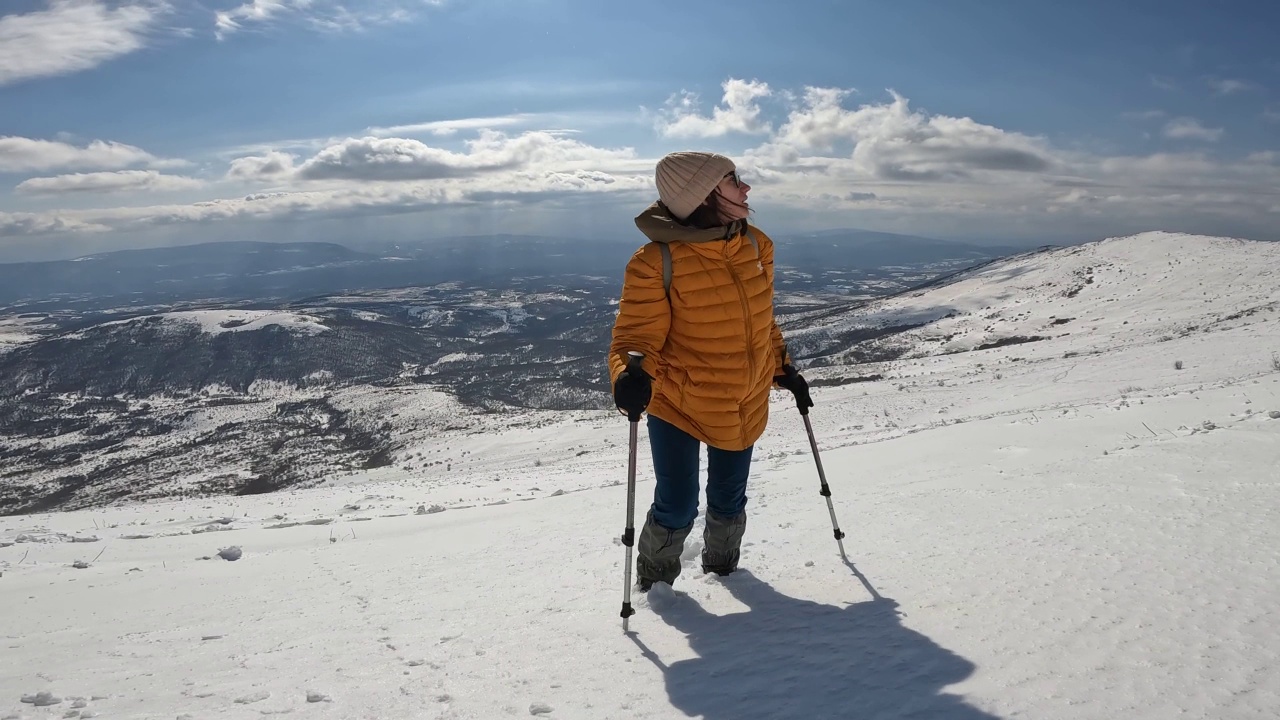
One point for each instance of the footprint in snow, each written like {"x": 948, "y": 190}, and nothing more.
{"x": 253, "y": 698}
{"x": 539, "y": 708}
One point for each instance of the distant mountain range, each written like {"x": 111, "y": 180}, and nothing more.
{"x": 251, "y": 367}
{"x": 262, "y": 270}
{"x": 880, "y": 249}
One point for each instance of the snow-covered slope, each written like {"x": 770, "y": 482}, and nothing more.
{"x": 1099, "y": 296}
{"x": 1068, "y": 528}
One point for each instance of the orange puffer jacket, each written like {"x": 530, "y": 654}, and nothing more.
{"x": 711, "y": 344}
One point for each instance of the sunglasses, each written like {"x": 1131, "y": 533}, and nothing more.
{"x": 736, "y": 178}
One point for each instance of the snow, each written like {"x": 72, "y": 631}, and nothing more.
{"x": 9, "y": 338}
{"x": 216, "y": 322}
{"x": 430, "y": 316}
{"x": 1160, "y": 284}
{"x": 458, "y": 357}
{"x": 18, "y": 330}
{"x": 1064, "y": 528}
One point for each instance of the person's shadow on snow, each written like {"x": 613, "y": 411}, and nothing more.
{"x": 792, "y": 658}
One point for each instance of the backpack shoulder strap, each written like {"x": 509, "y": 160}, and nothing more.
{"x": 666, "y": 259}
{"x": 665, "y": 249}
{"x": 752, "y": 237}
{"x": 666, "y": 267}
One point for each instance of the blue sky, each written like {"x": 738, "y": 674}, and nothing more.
{"x": 128, "y": 123}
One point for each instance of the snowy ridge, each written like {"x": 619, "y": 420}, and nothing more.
{"x": 216, "y": 322}
{"x": 1078, "y": 527}
{"x": 1145, "y": 288}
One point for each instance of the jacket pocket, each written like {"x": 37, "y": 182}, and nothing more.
{"x": 670, "y": 384}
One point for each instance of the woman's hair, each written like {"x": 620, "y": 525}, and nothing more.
{"x": 707, "y": 215}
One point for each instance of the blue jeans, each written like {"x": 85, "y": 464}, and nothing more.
{"x": 675, "y": 463}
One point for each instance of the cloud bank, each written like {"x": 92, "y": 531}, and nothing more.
{"x": 107, "y": 182}
{"x": 817, "y": 154}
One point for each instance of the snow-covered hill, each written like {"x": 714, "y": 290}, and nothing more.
{"x": 1066, "y": 528}
{"x": 1093, "y": 298}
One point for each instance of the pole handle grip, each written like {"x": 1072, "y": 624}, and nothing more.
{"x": 635, "y": 360}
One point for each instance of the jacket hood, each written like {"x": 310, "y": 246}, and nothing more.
{"x": 659, "y": 225}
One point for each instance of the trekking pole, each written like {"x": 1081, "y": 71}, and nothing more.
{"x": 629, "y": 534}
{"x": 822, "y": 476}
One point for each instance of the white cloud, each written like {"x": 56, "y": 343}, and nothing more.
{"x": 545, "y": 151}
{"x": 1228, "y": 86}
{"x": 738, "y": 112}
{"x": 890, "y": 141}
{"x": 20, "y": 224}
{"x": 20, "y": 154}
{"x": 373, "y": 158}
{"x": 229, "y": 21}
{"x": 383, "y": 176}
{"x": 107, "y": 182}
{"x": 271, "y": 165}
{"x": 72, "y": 35}
{"x": 1185, "y": 128}
{"x": 450, "y": 127}
{"x": 323, "y": 15}
{"x": 377, "y": 159}
{"x": 1165, "y": 169}
{"x": 361, "y": 199}
{"x": 259, "y": 206}
{"x": 935, "y": 171}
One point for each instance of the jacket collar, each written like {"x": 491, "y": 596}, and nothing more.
{"x": 659, "y": 225}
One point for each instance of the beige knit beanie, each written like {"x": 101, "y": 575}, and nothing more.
{"x": 685, "y": 179}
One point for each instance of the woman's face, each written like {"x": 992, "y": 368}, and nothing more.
{"x": 734, "y": 190}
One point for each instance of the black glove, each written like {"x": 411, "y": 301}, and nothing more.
{"x": 792, "y": 380}
{"x": 632, "y": 391}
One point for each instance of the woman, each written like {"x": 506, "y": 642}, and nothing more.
{"x": 697, "y": 301}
